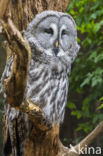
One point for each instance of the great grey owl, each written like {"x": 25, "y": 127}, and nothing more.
{"x": 52, "y": 37}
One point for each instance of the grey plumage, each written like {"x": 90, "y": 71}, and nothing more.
{"x": 50, "y": 65}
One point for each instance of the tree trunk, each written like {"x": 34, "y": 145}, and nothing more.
{"x": 23, "y": 11}
{"x": 15, "y": 16}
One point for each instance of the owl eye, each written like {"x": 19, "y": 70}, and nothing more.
{"x": 49, "y": 31}
{"x": 64, "y": 32}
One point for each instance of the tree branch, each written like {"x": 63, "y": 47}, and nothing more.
{"x": 82, "y": 144}
{"x": 35, "y": 114}
{"x": 21, "y": 60}
{"x": 3, "y": 7}
{"x": 88, "y": 139}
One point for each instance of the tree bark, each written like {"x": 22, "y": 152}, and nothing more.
{"x": 44, "y": 138}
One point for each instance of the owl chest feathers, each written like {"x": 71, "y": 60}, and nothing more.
{"x": 48, "y": 86}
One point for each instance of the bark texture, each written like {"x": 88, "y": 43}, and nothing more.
{"x": 23, "y": 11}
{"x": 14, "y": 17}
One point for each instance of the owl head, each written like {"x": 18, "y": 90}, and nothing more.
{"x": 53, "y": 34}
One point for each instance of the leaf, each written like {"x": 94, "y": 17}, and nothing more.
{"x": 93, "y": 55}
{"x": 100, "y": 107}
{"x": 85, "y": 82}
{"x": 85, "y": 126}
{"x": 98, "y": 58}
{"x": 98, "y": 26}
{"x": 96, "y": 81}
{"x": 77, "y": 113}
{"x": 97, "y": 118}
{"x": 71, "y": 105}
{"x": 101, "y": 99}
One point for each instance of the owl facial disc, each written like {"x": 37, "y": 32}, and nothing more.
{"x": 53, "y": 33}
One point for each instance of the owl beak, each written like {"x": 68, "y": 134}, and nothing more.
{"x": 56, "y": 44}
{"x": 56, "y": 48}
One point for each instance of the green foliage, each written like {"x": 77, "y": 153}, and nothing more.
{"x": 101, "y": 106}
{"x": 86, "y": 127}
{"x": 86, "y": 80}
